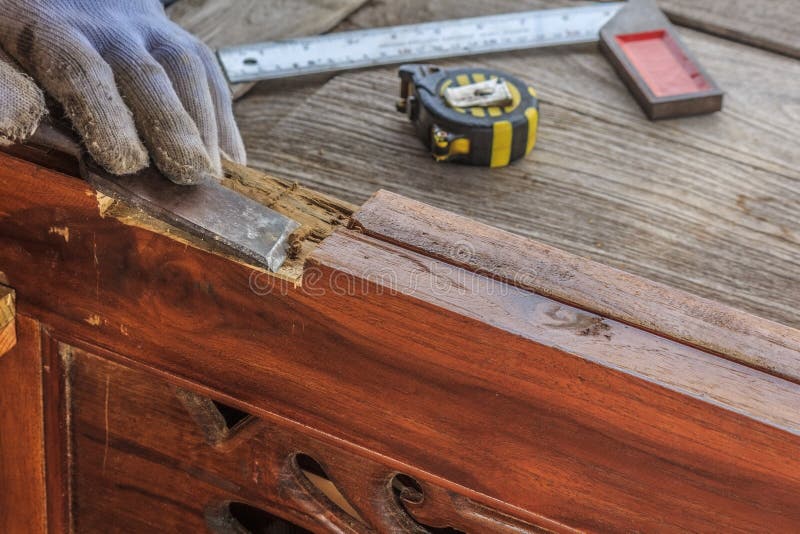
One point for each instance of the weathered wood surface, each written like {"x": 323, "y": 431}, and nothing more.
{"x": 221, "y": 23}
{"x": 769, "y": 24}
{"x": 410, "y": 361}
{"x": 611, "y": 293}
{"x": 8, "y": 335}
{"x": 705, "y": 204}
{"x": 22, "y": 468}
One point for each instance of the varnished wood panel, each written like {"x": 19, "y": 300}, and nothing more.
{"x": 144, "y": 459}
{"x": 22, "y": 469}
{"x": 705, "y": 204}
{"x": 414, "y": 373}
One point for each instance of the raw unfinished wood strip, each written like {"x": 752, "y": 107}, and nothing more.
{"x": 8, "y": 333}
{"x": 612, "y": 293}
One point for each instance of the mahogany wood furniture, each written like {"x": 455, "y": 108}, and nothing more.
{"x": 409, "y": 371}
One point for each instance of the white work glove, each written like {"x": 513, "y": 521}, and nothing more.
{"x": 21, "y": 103}
{"x": 127, "y": 77}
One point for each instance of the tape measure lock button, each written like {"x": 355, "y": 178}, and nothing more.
{"x": 475, "y": 116}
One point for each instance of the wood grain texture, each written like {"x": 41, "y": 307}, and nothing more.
{"x": 142, "y": 460}
{"x": 768, "y": 24}
{"x": 233, "y": 22}
{"x": 8, "y": 336}
{"x": 22, "y": 468}
{"x": 615, "y": 294}
{"x": 221, "y": 23}
{"x": 704, "y": 204}
{"x": 410, "y": 361}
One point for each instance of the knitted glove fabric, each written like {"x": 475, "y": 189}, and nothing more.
{"x": 128, "y": 78}
{"x": 21, "y": 103}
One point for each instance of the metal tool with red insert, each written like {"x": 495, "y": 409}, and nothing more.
{"x": 658, "y": 68}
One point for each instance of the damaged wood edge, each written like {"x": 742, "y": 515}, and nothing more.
{"x": 8, "y": 331}
{"x": 724, "y": 331}
{"x": 318, "y": 214}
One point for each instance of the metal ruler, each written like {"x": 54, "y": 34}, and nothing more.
{"x": 337, "y": 52}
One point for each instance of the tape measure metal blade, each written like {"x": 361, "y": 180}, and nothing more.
{"x": 343, "y": 51}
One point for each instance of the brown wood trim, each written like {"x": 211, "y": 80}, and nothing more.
{"x": 56, "y": 358}
{"x": 8, "y": 333}
{"x": 22, "y": 462}
{"x": 554, "y": 273}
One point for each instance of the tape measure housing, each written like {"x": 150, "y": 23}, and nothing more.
{"x": 492, "y": 136}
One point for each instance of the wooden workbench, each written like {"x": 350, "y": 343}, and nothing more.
{"x": 707, "y": 204}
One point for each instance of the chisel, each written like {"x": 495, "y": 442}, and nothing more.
{"x": 225, "y": 220}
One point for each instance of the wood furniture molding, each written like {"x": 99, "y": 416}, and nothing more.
{"x": 515, "y": 387}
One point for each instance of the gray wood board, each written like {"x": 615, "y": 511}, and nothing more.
{"x": 708, "y": 204}
{"x": 221, "y": 23}
{"x": 769, "y": 24}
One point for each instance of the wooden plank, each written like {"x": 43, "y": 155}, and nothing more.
{"x": 8, "y": 336}
{"x": 411, "y": 361}
{"x": 768, "y": 24}
{"x": 548, "y": 271}
{"x": 704, "y": 204}
{"x": 221, "y": 23}
{"x": 22, "y": 468}
{"x": 233, "y": 22}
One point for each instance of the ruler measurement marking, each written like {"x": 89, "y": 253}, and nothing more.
{"x": 408, "y": 43}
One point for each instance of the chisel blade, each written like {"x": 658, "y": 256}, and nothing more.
{"x": 225, "y": 220}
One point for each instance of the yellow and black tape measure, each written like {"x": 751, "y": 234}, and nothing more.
{"x": 470, "y": 115}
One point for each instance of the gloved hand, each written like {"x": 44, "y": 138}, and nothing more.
{"x": 127, "y": 77}
{"x": 21, "y": 103}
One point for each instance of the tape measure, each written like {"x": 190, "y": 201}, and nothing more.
{"x": 470, "y": 115}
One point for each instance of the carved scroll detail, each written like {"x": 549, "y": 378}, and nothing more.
{"x": 343, "y": 493}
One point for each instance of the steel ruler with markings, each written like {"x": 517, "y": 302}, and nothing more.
{"x": 636, "y": 36}
{"x": 337, "y": 52}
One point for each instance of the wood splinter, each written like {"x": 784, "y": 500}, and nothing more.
{"x": 8, "y": 333}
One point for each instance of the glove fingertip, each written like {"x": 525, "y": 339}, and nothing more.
{"x": 26, "y": 113}
{"x": 190, "y": 165}
{"x": 122, "y": 158}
